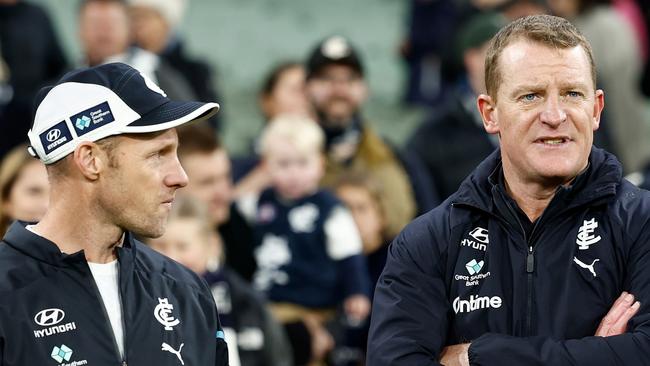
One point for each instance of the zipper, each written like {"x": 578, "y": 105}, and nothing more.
{"x": 121, "y": 361}
{"x": 119, "y": 291}
{"x": 530, "y": 262}
{"x": 530, "y": 269}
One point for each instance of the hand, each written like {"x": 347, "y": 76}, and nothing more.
{"x": 615, "y": 322}
{"x": 455, "y": 355}
{"x": 357, "y": 308}
{"x": 322, "y": 341}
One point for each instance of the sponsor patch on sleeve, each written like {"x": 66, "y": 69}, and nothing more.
{"x": 55, "y": 137}
{"x": 92, "y": 118}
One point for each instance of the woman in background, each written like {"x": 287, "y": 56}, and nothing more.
{"x": 24, "y": 188}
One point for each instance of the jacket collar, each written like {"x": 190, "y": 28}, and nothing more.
{"x": 601, "y": 179}
{"x": 44, "y": 250}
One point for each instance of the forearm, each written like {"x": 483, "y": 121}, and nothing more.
{"x": 497, "y": 349}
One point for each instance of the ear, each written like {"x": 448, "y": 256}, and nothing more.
{"x": 90, "y": 160}
{"x": 599, "y": 104}
{"x": 487, "y": 108}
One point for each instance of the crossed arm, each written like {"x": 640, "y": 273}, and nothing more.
{"x": 614, "y": 323}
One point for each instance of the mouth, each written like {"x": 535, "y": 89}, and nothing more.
{"x": 553, "y": 140}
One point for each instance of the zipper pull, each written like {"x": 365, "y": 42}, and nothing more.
{"x": 530, "y": 261}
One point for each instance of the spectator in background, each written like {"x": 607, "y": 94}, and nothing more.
{"x": 154, "y": 28}
{"x": 431, "y": 25}
{"x": 452, "y": 142}
{"x": 362, "y": 195}
{"x": 24, "y": 188}
{"x": 33, "y": 57}
{"x": 207, "y": 165}
{"x": 190, "y": 239}
{"x": 619, "y": 72}
{"x": 104, "y": 32}
{"x": 282, "y": 93}
{"x": 307, "y": 247}
{"x": 336, "y": 89}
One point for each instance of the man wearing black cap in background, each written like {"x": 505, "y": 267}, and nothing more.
{"x": 77, "y": 288}
{"x": 336, "y": 89}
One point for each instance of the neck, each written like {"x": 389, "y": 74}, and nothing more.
{"x": 532, "y": 199}
{"x": 72, "y": 226}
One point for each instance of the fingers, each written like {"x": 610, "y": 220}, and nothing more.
{"x": 620, "y": 326}
{"x": 357, "y": 307}
{"x": 615, "y": 322}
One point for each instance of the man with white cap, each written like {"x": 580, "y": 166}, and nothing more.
{"x": 77, "y": 288}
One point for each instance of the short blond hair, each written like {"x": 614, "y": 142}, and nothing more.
{"x": 302, "y": 132}
{"x": 548, "y": 30}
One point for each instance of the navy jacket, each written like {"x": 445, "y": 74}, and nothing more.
{"x": 468, "y": 272}
{"x": 51, "y": 311}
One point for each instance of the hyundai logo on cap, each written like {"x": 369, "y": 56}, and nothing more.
{"x": 53, "y": 135}
{"x": 48, "y": 317}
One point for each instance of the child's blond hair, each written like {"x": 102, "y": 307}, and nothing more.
{"x": 302, "y": 132}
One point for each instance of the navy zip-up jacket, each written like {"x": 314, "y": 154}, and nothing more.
{"x": 51, "y": 312}
{"x": 468, "y": 271}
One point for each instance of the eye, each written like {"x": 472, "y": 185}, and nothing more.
{"x": 529, "y": 97}
{"x": 574, "y": 94}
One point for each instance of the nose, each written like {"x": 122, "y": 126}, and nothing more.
{"x": 177, "y": 178}
{"x": 553, "y": 113}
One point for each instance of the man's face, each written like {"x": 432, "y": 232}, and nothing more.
{"x": 545, "y": 113}
{"x": 336, "y": 93}
{"x": 103, "y": 30}
{"x": 210, "y": 182}
{"x": 138, "y": 188}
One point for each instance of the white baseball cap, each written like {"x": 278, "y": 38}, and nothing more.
{"x": 111, "y": 99}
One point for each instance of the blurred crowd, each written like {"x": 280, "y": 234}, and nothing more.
{"x": 293, "y": 237}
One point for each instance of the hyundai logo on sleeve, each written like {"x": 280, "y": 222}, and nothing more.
{"x": 55, "y": 137}
{"x": 48, "y": 317}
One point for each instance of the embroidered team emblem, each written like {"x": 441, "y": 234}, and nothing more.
{"x": 586, "y": 235}
{"x": 303, "y": 218}
{"x": 163, "y": 314}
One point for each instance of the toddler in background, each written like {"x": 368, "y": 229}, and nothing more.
{"x": 308, "y": 249}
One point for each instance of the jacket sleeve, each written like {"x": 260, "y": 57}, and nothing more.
{"x": 410, "y": 310}
{"x": 221, "y": 347}
{"x": 631, "y": 348}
